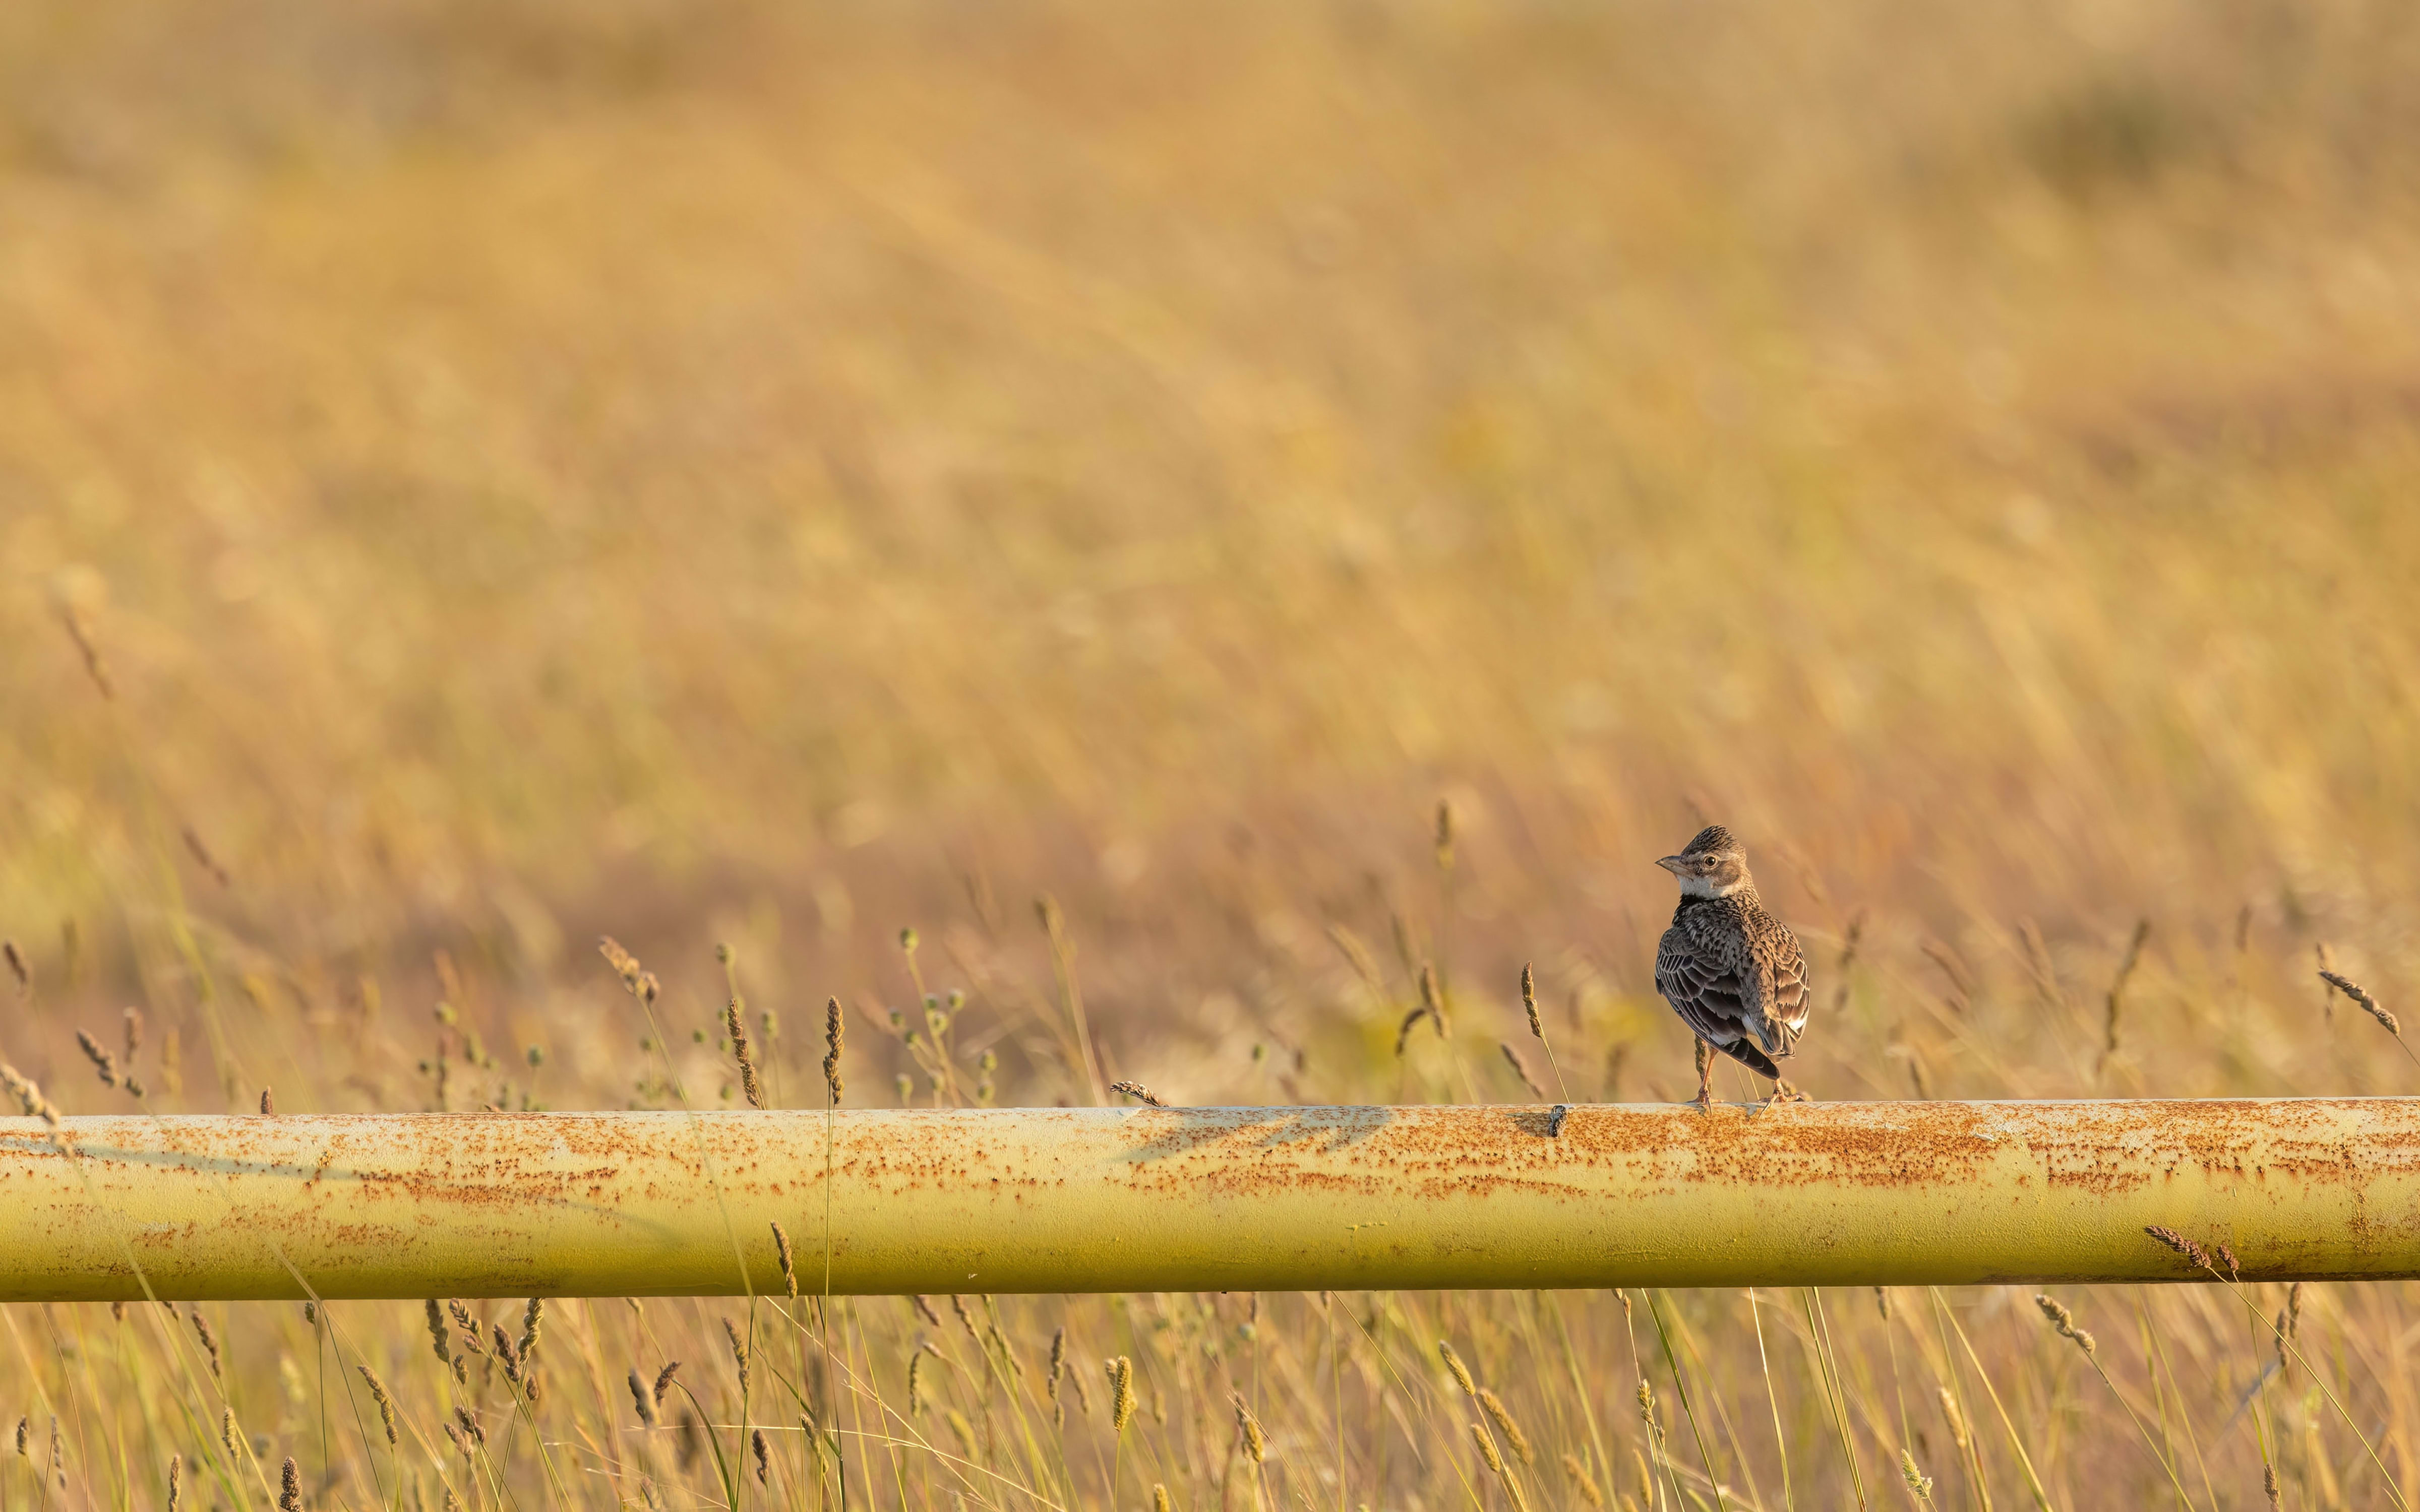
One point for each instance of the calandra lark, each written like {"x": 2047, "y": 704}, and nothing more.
{"x": 1730, "y": 970}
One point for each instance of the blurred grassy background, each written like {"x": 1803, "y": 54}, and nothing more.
{"x": 751, "y": 473}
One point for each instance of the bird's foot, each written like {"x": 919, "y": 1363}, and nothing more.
{"x": 1704, "y": 1100}
{"x": 1784, "y": 1092}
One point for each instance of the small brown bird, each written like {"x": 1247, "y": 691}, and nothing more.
{"x": 1732, "y": 971}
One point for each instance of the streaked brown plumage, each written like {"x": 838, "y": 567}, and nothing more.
{"x": 1732, "y": 971}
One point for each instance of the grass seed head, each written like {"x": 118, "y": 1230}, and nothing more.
{"x": 1590, "y": 1491}
{"x": 789, "y": 1260}
{"x": 2183, "y": 1245}
{"x": 1487, "y": 1448}
{"x": 995, "y": 1342}
{"x": 1159, "y": 1502}
{"x": 2361, "y": 999}
{"x": 764, "y": 1457}
{"x": 385, "y": 1403}
{"x": 177, "y": 1482}
{"x": 642, "y": 1399}
{"x": 739, "y": 1051}
{"x": 1058, "y": 1368}
{"x": 95, "y": 666}
{"x": 1487, "y": 1451}
{"x": 1530, "y": 1002}
{"x": 2063, "y": 1321}
{"x": 532, "y": 1316}
{"x": 1137, "y": 1092}
{"x": 739, "y": 1351}
{"x": 18, "y": 968}
{"x": 28, "y": 1096}
{"x": 1956, "y": 1419}
{"x": 664, "y": 1381}
{"x": 834, "y": 1034}
{"x": 438, "y": 1338}
{"x": 290, "y": 1487}
{"x": 209, "y": 1344}
{"x": 1512, "y": 1059}
{"x": 1433, "y": 1001}
{"x": 1461, "y": 1372}
{"x": 103, "y": 1063}
{"x": 470, "y": 1327}
{"x": 1255, "y": 1443}
{"x": 1918, "y": 1482}
{"x": 964, "y": 1430}
{"x": 1647, "y": 1413}
{"x": 507, "y": 1355}
{"x": 2117, "y": 985}
{"x": 203, "y": 859}
{"x": 1502, "y": 1418}
{"x": 636, "y": 979}
{"x": 1122, "y": 1397}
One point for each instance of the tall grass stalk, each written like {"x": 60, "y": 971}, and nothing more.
{"x": 1771, "y": 1399}
{"x": 1834, "y": 1393}
{"x": 2016, "y": 1443}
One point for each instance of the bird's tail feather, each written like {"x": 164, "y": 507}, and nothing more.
{"x": 1745, "y": 1051}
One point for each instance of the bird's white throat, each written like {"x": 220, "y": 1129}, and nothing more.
{"x": 1708, "y": 888}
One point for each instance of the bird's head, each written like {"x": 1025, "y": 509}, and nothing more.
{"x": 1713, "y": 865}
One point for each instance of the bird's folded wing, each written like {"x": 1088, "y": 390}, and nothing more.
{"x": 1721, "y": 939}
{"x": 1788, "y": 996}
{"x": 1702, "y": 988}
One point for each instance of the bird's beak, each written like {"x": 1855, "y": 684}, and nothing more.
{"x": 1670, "y": 863}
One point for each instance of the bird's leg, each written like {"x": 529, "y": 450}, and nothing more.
{"x": 1784, "y": 1092}
{"x": 1705, "y": 1077}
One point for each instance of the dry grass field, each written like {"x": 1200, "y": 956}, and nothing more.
{"x": 479, "y": 474}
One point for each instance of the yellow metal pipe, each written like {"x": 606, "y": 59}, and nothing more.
{"x": 1149, "y": 1199}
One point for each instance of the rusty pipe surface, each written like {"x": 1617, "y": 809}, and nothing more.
{"x": 1152, "y": 1200}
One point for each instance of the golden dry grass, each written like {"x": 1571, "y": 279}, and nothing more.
{"x": 748, "y": 473}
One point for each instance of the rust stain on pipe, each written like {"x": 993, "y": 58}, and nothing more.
{"x": 1152, "y": 1200}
